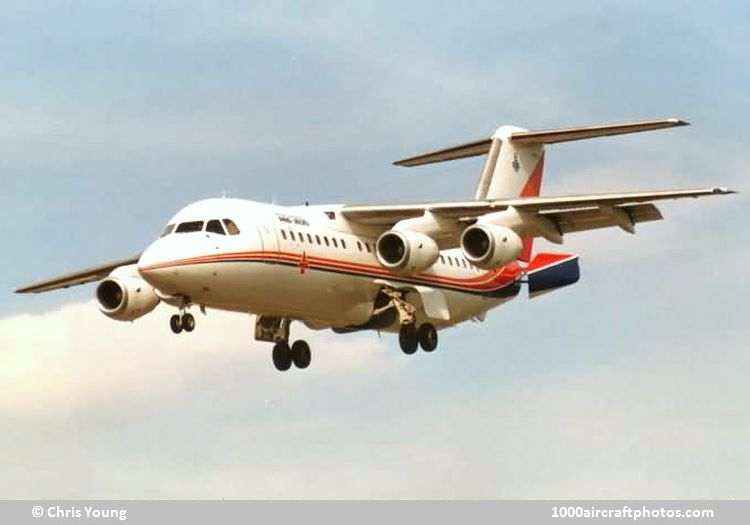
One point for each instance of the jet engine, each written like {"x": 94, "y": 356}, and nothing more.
{"x": 490, "y": 246}
{"x": 124, "y": 297}
{"x": 406, "y": 252}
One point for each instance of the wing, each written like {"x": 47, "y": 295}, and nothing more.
{"x": 95, "y": 273}
{"x": 567, "y": 214}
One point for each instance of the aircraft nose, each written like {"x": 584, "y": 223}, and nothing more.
{"x": 151, "y": 258}
{"x": 155, "y": 265}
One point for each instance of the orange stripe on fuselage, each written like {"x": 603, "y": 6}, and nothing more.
{"x": 485, "y": 282}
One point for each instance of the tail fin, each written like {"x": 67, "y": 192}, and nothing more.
{"x": 512, "y": 170}
{"x": 549, "y": 271}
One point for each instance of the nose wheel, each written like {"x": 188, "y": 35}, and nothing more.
{"x": 185, "y": 322}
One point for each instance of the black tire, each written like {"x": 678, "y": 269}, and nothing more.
{"x": 175, "y": 323}
{"x": 407, "y": 339}
{"x": 301, "y": 355}
{"x": 282, "y": 356}
{"x": 188, "y": 322}
{"x": 428, "y": 337}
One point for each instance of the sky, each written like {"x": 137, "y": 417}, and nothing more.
{"x": 630, "y": 384}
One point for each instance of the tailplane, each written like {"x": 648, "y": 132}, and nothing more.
{"x": 515, "y": 158}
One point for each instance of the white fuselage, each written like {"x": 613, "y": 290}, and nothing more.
{"x": 304, "y": 263}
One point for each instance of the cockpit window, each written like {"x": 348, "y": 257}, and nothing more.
{"x": 167, "y": 230}
{"x": 214, "y": 226}
{"x": 186, "y": 227}
{"x": 232, "y": 228}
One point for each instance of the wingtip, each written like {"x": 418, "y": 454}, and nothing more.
{"x": 679, "y": 122}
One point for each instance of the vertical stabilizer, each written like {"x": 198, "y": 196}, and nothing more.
{"x": 512, "y": 170}
{"x": 515, "y": 170}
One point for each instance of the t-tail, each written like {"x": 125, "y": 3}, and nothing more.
{"x": 515, "y": 158}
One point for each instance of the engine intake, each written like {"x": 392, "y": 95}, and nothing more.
{"x": 406, "y": 252}
{"x": 125, "y": 298}
{"x": 490, "y": 246}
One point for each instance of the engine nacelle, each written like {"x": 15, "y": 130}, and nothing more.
{"x": 125, "y": 298}
{"x": 490, "y": 246}
{"x": 406, "y": 252}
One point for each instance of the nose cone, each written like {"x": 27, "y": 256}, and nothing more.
{"x": 152, "y": 258}
{"x": 158, "y": 263}
{"x": 166, "y": 263}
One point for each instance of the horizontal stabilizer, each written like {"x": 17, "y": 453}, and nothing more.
{"x": 462, "y": 151}
{"x": 549, "y": 271}
{"x": 551, "y": 136}
{"x": 547, "y": 136}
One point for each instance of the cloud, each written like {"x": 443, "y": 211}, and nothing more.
{"x": 72, "y": 358}
{"x": 125, "y": 410}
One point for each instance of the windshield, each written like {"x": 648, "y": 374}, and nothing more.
{"x": 167, "y": 230}
{"x": 192, "y": 226}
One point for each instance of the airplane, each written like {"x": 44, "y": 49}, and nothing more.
{"x": 411, "y": 269}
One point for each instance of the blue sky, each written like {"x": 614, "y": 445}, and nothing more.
{"x": 629, "y": 384}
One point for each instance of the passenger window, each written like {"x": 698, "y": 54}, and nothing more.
{"x": 291, "y": 234}
{"x": 301, "y": 237}
{"x": 283, "y": 234}
{"x": 367, "y": 245}
{"x": 187, "y": 227}
{"x": 167, "y": 230}
{"x": 335, "y": 243}
{"x": 317, "y": 239}
{"x": 231, "y": 227}
{"x": 359, "y": 246}
{"x": 442, "y": 259}
{"x": 326, "y": 240}
{"x": 343, "y": 244}
{"x": 450, "y": 260}
{"x": 214, "y": 226}
{"x": 309, "y": 238}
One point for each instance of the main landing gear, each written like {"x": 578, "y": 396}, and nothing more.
{"x": 185, "y": 322}
{"x": 276, "y": 330}
{"x": 283, "y": 355}
{"x": 410, "y": 338}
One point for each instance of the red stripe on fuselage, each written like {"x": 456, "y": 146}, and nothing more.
{"x": 487, "y": 281}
